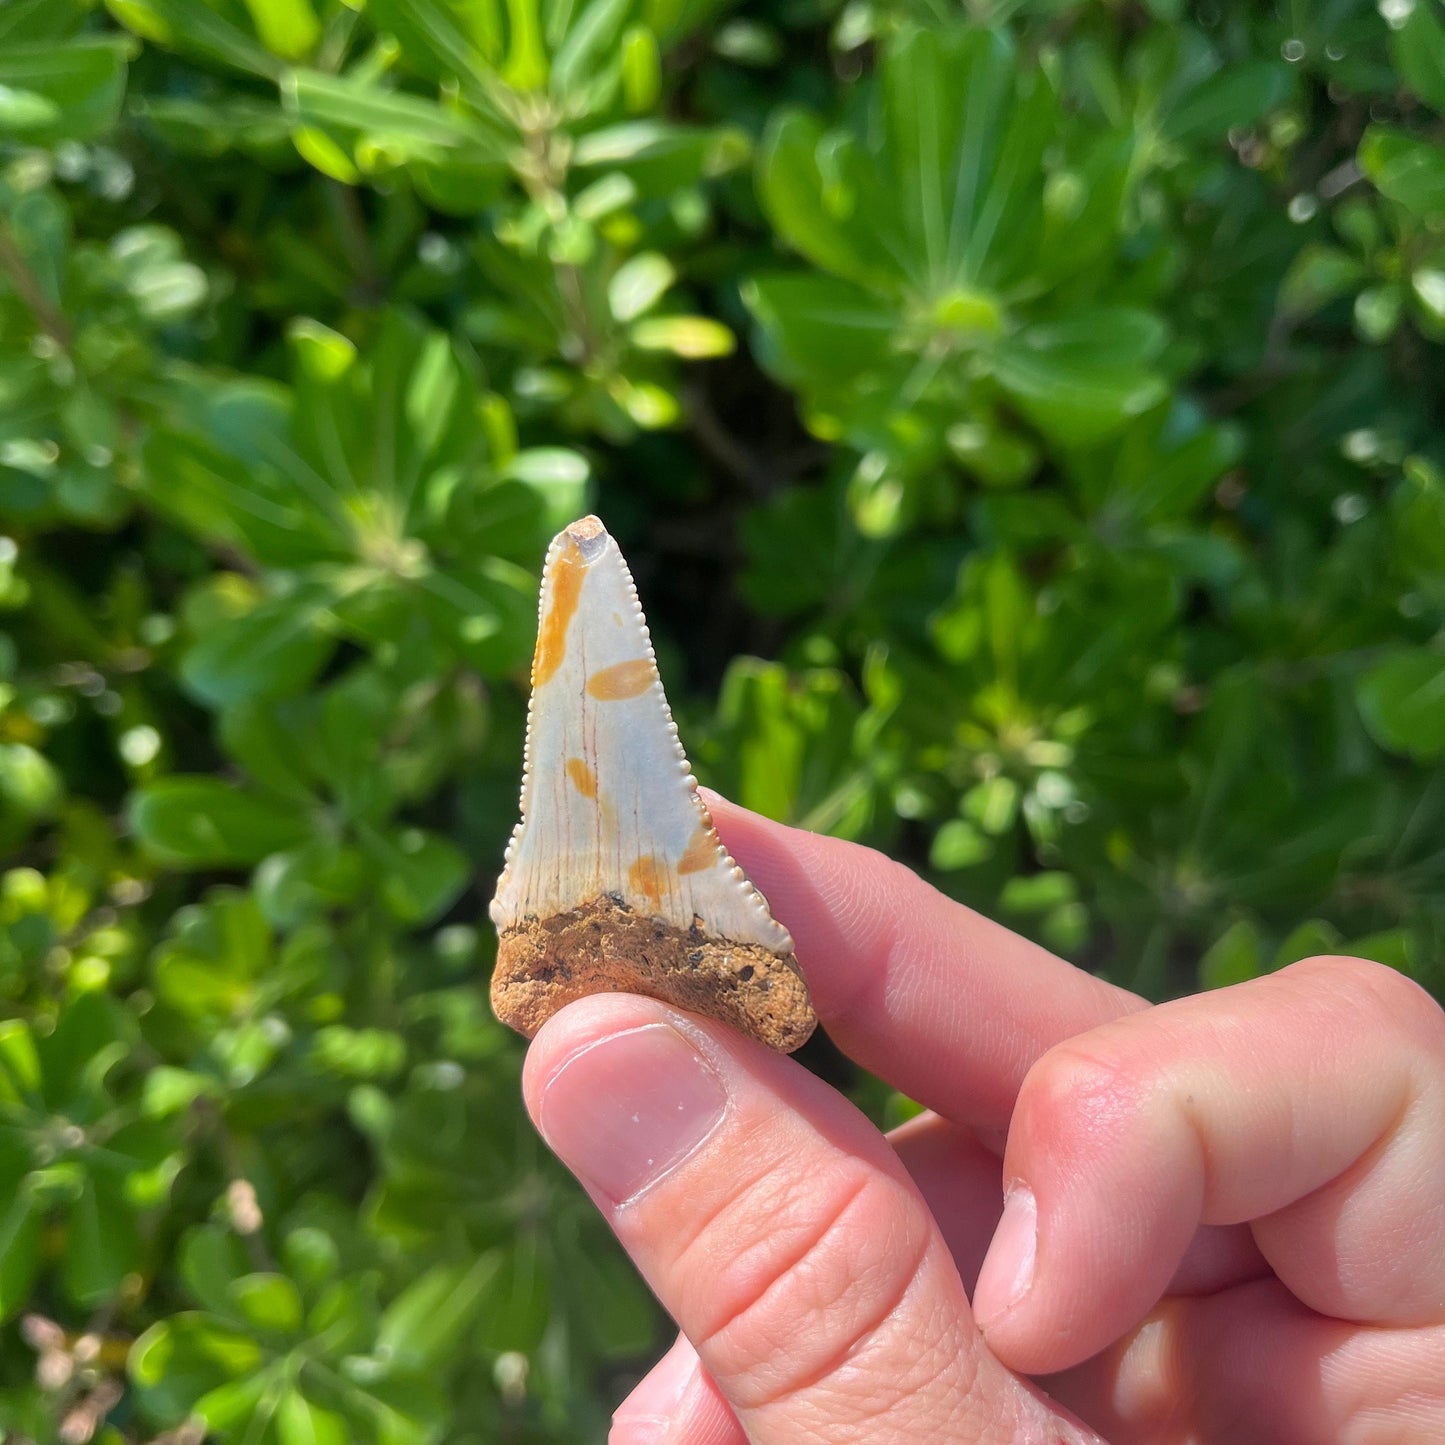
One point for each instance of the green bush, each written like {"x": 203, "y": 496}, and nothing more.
{"x": 1050, "y": 391}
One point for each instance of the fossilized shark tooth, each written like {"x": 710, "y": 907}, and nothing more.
{"x": 615, "y": 879}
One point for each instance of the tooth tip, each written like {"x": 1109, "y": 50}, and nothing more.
{"x": 590, "y": 536}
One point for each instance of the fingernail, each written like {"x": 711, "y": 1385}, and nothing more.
{"x": 647, "y": 1415}
{"x": 625, "y": 1111}
{"x": 1008, "y": 1267}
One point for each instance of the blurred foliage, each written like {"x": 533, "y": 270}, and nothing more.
{"x": 1050, "y": 390}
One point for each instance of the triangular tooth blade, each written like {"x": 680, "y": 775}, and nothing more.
{"x": 615, "y": 878}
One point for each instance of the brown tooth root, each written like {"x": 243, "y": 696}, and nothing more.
{"x": 601, "y": 948}
{"x": 632, "y": 890}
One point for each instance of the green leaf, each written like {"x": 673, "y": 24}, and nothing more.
{"x": 423, "y": 1326}
{"x": 1038, "y": 892}
{"x": 232, "y": 488}
{"x": 407, "y": 127}
{"x": 548, "y": 467}
{"x": 20, "y": 1250}
{"x": 606, "y": 1295}
{"x": 419, "y": 873}
{"x": 959, "y": 184}
{"x": 267, "y": 1302}
{"x": 196, "y": 29}
{"x": 308, "y": 880}
{"x": 446, "y": 42}
{"x": 1394, "y": 947}
{"x": 1081, "y": 378}
{"x": 179, "y": 1360}
{"x": 1418, "y": 525}
{"x": 1236, "y": 956}
{"x": 1402, "y": 700}
{"x": 514, "y": 1312}
{"x": 641, "y": 70}
{"x": 287, "y": 28}
{"x": 1406, "y": 168}
{"x": 211, "y": 1260}
{"x": 993, "y": 804}
{"x": 593, "y": 41}
{"x": 814, "y": 325}
{"x": 1308, "y": 940}
{"x": 24, "y": 21}
{"x": 273, "y": 650}
{"x": 102, "y": 1246}
{"x": 1377, "y": 312}
{"x": 694, "y": 337}
{"x": 20, "y": 1078}
{"x": 26, "y": 110}
{"x": 311, "y": 1255}
{"x": 404, "y": 1409}
{"x": 1236, "y": 96}
{"x": 1418, "y": 50}
{"x": 71, "y": 91}
{"x": 807, "y": 208}
{"x": 958, "y": 844}
{"x": 262, "y": 737}
{"x": 942, "y": 196}
{"x": 345, "y": 1314}
{"x": 200, "y": 822}
{"x": 84, "y": 1044}
{"x": 488, "y": 614}
{"x": 1317, "y": 276}
{"x": 30, "y": 787}
{"x": 359, "y": 1053}
{"x": 218, "y": 951}
{"x": 525, "y": 67}
{"x": 661, "y": 157}
{"x": 301, "y": 1422}
{"x": 169, "y": 1091}
{"x": 783, "y": 578}
{"x": 639, "y": 284}
{"x": 1086, "y": 207}
{"x": 237, "y": 1402}
{"x": 783, "y": 741}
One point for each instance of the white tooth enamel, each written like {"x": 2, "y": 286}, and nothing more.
{"x": 646, "y": 836}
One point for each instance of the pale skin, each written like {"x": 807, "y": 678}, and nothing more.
{"x": 1237, "y": 1230}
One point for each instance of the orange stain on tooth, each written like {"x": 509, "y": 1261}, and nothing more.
{"x": 701, "y": 852}
{"x": 646, "y": 877}
{"x": 622, "y": 680}
{"x": 584, "y": 779}
{"x": 567, "y": 573}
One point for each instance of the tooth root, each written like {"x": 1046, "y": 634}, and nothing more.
{"x": 615, "y": 879}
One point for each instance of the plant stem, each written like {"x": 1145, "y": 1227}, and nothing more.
{"x": 47, "y": 315}
{"x": 356, "y": 243}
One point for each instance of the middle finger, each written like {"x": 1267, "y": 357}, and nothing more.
{"x": 942, "y": 1003}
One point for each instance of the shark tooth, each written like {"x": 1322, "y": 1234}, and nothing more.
{"x": 615, "y": 879}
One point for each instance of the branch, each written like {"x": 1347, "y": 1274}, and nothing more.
{"x": 356, "y": 243}
{"x": 723, "y": 447}
{"x": 47, "y": 315}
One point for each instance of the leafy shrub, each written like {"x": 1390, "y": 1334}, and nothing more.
{"x": 1051, "y": 392}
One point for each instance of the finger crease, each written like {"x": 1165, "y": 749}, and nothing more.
{"x": 737, "y": 1198}
{"x": 776, "y": 1276}
{"x": 857, "y": 1338}
{"x": 890, "y": 1300}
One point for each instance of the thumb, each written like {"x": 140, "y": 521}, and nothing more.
{"x": 778, "y": 1228}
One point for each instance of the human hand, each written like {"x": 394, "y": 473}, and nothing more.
{"x": 1238, "y": 1220}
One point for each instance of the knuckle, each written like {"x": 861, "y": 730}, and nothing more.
{"x": 1081, "y": 1093}
{"x": 804, "y": 1270}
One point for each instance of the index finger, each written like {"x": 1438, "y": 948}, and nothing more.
{"x": 946, "y": 1005}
